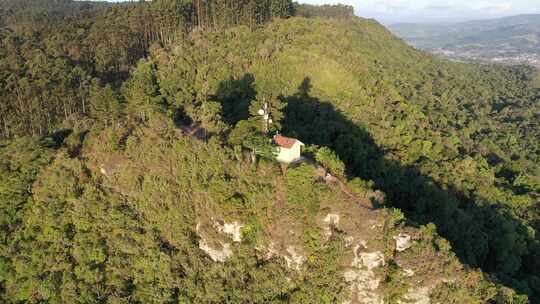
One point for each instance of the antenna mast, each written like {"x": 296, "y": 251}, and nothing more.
{"x": 266, "y": 118}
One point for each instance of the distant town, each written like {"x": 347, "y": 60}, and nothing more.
{"x": 496, "y": 57}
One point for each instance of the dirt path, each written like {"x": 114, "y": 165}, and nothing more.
{"x": 281, "y": 192}
{"x": 362, "y": 201}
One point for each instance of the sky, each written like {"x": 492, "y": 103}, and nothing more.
{"x": 431, "y": 11}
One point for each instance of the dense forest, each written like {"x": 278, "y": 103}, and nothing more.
{"x": 104, "y": 199}
{"x": 73, "y": 47}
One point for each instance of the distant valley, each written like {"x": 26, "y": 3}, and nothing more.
{"x": 509, "y": 40}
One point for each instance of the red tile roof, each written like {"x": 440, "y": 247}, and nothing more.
{"x": 284, "y": 142}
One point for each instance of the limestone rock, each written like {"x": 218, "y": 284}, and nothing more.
{"x": 417, "y": 295}
{"x": 362, "y": 280}
{"x": 331, "y": 221}
{"x": 234, "y": 229}
{"x": 217, "y": 255}
{"x": 349, "y": 241}
{"x": 224, "y": 251}
{"x": 363, "y": 285}
{"x": 408, "y": 272}
{"x": 103, "y": 171}
{"x": 372, "y": 260}
{"x": 271, "y": 251}
{"x": 294, "y": 258}
{"x": 403, "y": 242}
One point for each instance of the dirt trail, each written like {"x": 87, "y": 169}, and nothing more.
{"x": 281, "y": 192}
{"x": 362, "y": 201}
{"x": 332, "y": 181}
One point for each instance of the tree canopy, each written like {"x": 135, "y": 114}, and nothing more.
{"x": 106, "y": 188}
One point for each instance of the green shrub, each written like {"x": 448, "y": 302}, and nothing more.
{"x": 330, "y": 161}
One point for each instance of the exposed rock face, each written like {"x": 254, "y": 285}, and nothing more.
{"x": 271, "y": 251}
{"x": 224, "y": 252}
{"x": 294, "y": 258}
{"x": 370, "y": 260}
{"x": 233, "y": 229}
{"x": 330, "y": 221}
{"x": 408, "y": 272}
{"x": 103, "y": 171}
{"x": 217, "y": 255}
{"x": 349, "y": 241}
{"x": 403, "y": 242}
{"x": 363, "y": 281}
{"x": 418, "y": 295}
{"x": 363, "y": 274}
{"x": 364, "y": 284}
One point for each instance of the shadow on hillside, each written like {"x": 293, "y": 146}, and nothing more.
{"x": 481, "y": 234}
{"x": 235, "y": 96}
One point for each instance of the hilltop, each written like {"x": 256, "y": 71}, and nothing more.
{"x": 421, "y": 183}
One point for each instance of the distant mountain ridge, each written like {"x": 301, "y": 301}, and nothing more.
{"x": 514, "y": 39}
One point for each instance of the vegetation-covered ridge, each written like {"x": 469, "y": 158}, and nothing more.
{"x": 138, "y": 214}
{"x": 54, "y": 55}
{"x": 121, "y": 207}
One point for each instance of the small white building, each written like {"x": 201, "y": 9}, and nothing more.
{"x": 289, "y": 149}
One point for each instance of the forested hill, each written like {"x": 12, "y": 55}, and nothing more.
{"x": 134, "y": 167}
{"x": 82, "y": 41}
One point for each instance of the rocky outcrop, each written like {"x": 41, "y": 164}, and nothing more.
{"x": 294, "y": 258}
{"x": 408, "y": 272}
{"x": 417, "y": 295}
{"x": 103, "y": 171}
{"x": 371, "y": 260}
{"x": 362, "y": 279}
{"x": 233, "y": 229}
{"x": 216, "y": 254}
{"x": 331, "y": 221}
{"x": 403, "y": 242}
{"x": 363, "y": 286}
{"x": 363, "y": 263}
{"x": 222, "y": 252}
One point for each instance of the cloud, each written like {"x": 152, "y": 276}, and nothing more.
{"x": 439, "y": 7}
{"x": 490, "y": 7}
{"x": 471, "y": 10}
{"x": 385, "y": 6}
{"x": 392, "y": 4}
{"x": 499, "y": 8}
